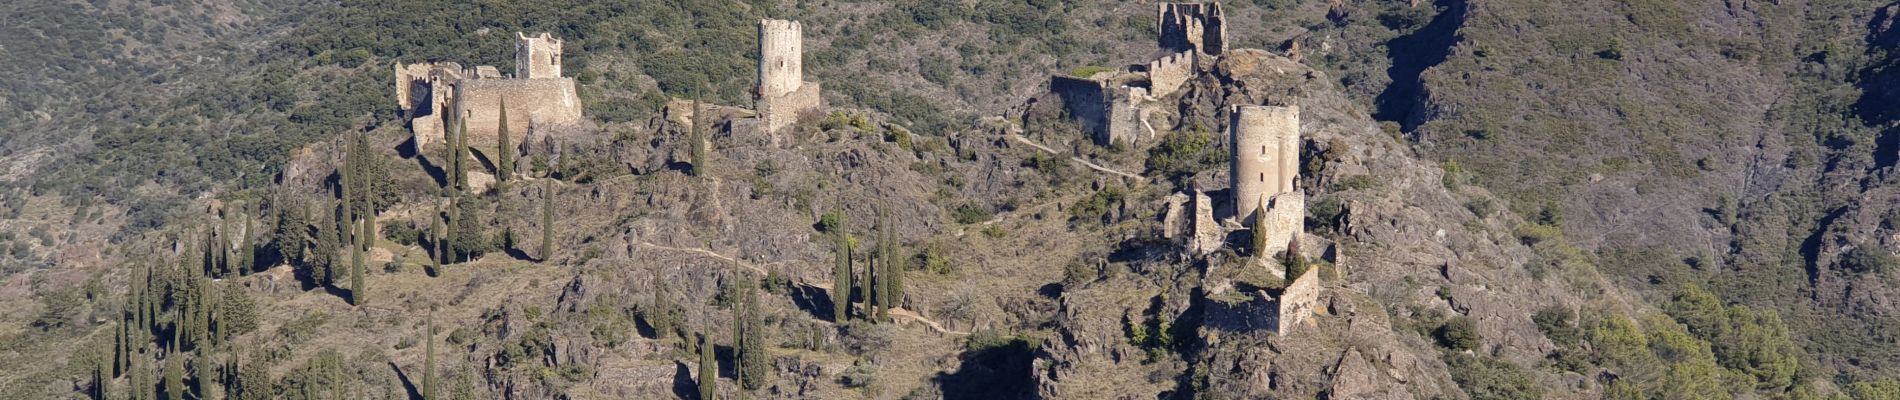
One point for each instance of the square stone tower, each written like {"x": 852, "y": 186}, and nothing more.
{"x": 537, "y": 57}
{"x": 1199, "y": 27}
{"x": 1266, "y": 155}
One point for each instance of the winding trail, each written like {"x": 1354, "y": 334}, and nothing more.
{"x": 895, "y": 311}
{"x": 1090, "y": 164}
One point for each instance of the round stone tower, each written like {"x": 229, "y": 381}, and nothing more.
{"x": 1265, "y": 146}
{"x": 781, "y": 57}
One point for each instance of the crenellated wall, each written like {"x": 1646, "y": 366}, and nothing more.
{"x": 1168, "y": 74}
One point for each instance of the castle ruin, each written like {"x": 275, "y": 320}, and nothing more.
{"x": 1192, "y": 27}
{"x": 435, "y": 96}
{"x": 1110, "y": 106}
{"x": 783, "y": 94}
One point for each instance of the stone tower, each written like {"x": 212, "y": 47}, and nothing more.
{"x": 1199, "y": 27}
{"x": 784, "y": 95}
{"x": 537, "y": 57}
{"x": 1266, "y": 155}
{"x": 781, "y": 57}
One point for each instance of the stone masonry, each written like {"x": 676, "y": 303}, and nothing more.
{"x": 1168, "y": 74}
{"x": 537, "y": 57}
{"x": 1106, "y": 110}
{"x": 437, "y": 96}
{"x": 783, "y": 94}
{"x": 1266, "y": 155}
{"x": 1197, "y": 27}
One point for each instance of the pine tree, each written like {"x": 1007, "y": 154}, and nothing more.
{"x": 750, "y": 343}
{"x": 428, "y": 360}
{"x": 708, "y": 369}
{"x": 841, "y": 279}
{"x": 504, "y": 153}
{"x": 547, "y": 220}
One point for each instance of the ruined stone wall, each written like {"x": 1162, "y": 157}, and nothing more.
{"x": 537, "y": 57}
{"x": 781, "y": 57}
{"x": 1265, "y": 154}
{"x": 422, "y": 91}
{"x": 1285, "y": 219}
{"x": 778, "y": 113}
{"x": 1209, "y": 236}
{"x": 1107, "y": 114}
{"x": 1299, "y": 301}
{"x": 542, "y": 101}
{"x": 1197, "y": 27}
{"x": 1167, "y": 74}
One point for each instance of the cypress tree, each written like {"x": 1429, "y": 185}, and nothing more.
{"x": 143, "y": 386}
{"x": 428, "y": 360}
{"x": 102, "y": 375}
{"x": 841, "y": 279}
{"x": 455, "y": 218}
{"x": 435, "y": 238}
{"x": 174, "y": 375}
{"x": 1295, "y": 262}
{"x": 750, "y": 346}
{"x": 365, "y": 193}
{"x": 547, "y": 220}
{"x": 461, "y": 159}
{"x": 504, "y": 153}
{"x": 863, "y": 280}
{"x": 204, "y": 373}
{"x": 698, "y": 139}
{"x": 708, "y": 369}
{"x": 872, "y": 288}
{"x": 120, "y": 343}
{"x": 897, "y": 271}
{"x": 247, "y": 251}
{"x": 357, "y": 290}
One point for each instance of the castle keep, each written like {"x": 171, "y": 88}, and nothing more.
{"x": 783, "y": 94}
{"x": 436, "y": 96}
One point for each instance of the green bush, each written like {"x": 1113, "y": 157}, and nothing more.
{"x": 1491, "y": 378}
{"x": 1458, "y": 333}
{"x": 970, "y": 213}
